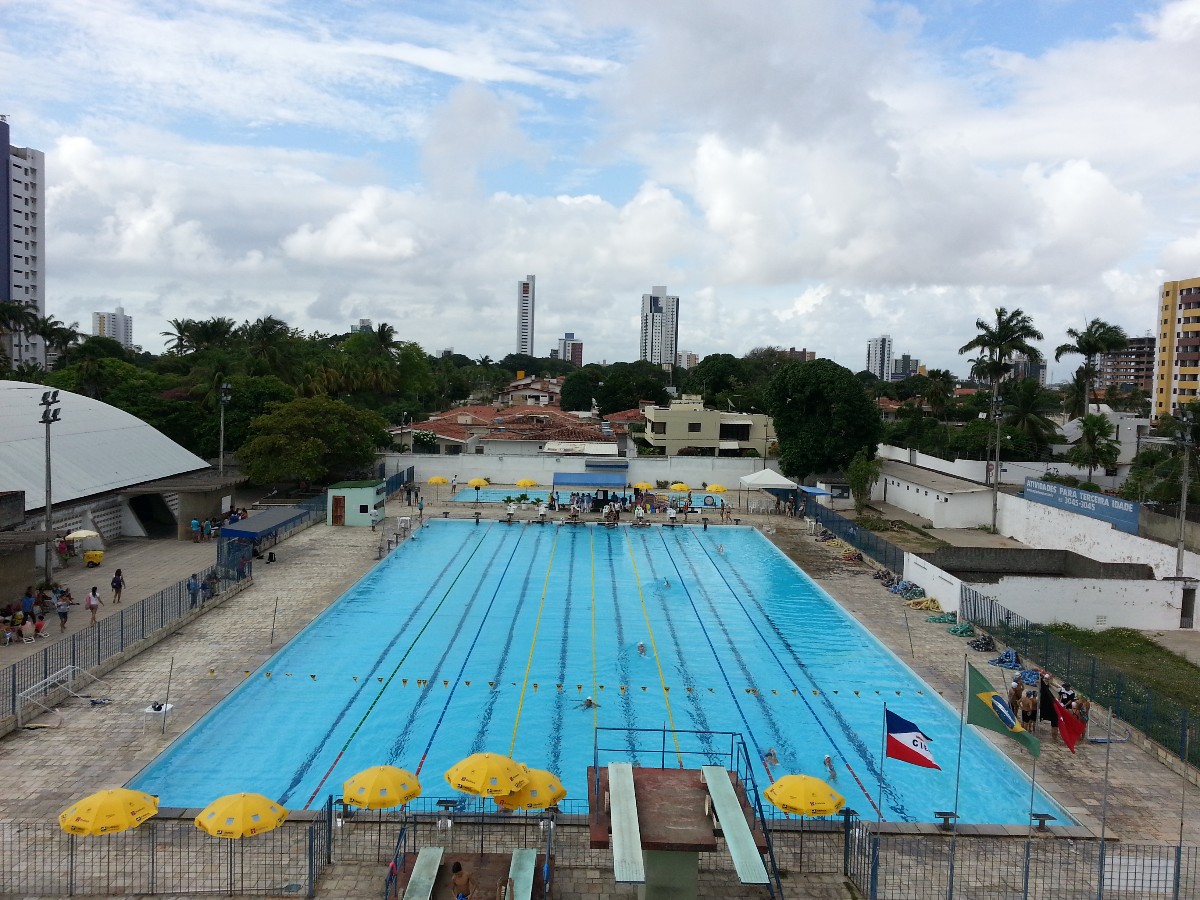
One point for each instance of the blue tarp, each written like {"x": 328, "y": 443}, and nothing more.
{"x": 264, "y": 523}
{"x": 816, "y": 492}
{"x": 589, "y": 481}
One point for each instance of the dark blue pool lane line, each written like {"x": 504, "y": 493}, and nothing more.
{"x": 895, "y": 800}
{"x": 558, "y": 712}
{"x": 489, "y": 705}
{"x": 695, "y": 705}
{"x": 626, "y": 700}
{"x": 781, "y": 740}
{"x": 401, "y": 741}
{"x": 307, "y": 763}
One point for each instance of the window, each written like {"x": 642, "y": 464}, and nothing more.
{"x": 658, "y": 427}
{"x": 363, "y": 509}
{"x": 693, "y": 427}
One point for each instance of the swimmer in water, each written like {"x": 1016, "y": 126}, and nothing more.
{"x": 589, "y": 703}
{"x": 770, "y": 758}
{"x": 641, "y": 648}
{"x": 721, "y": 549}
{"x": 666, "y": 582}
{"x": 830, "y": 768}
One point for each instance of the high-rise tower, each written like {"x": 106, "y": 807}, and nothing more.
{"x": 22, "y": 265}
{"x": 525, "y": 297}
{"x": 879, "y": 357}
{"x": 1178, "y": 377}
{"x": 660, "y": 326}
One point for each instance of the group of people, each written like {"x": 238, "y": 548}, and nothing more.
{"x": 1032, "y": 700}
{"x": 26, "y": 619}
{"x": 204, "y": 530}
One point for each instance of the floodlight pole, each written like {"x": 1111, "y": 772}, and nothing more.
{"x": 50, "y": 415}
{"x": 226, "y": 387}
{"x": 1185, "y": 427}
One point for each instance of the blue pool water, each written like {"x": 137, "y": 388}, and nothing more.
{"x": 487, "y": 638}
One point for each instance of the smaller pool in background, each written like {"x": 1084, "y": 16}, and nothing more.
{"x": 540, "y": 495}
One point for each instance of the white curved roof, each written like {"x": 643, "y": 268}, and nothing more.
{"x": 94, "y": 447}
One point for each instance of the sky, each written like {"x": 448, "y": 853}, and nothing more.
{"x": 801, "y": 173}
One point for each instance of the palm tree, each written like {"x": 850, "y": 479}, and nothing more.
{"x": 1075, "y": 397}
{"x": 181, "y": 338}
{"x": 1097, "y": 337}
{"x": 1096, "y": 447}
{"x": 213, "y": 333}
{"x": 998, "y": 342}
{"x": 1025, "y": 410}
{"x": 15, "y": 318}
{"x": 939, "y": 390}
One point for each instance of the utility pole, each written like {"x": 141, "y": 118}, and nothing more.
{"x": 1185, "y": 434}
{"x": 226, "y": 387}
{"x": 50, "y": 415}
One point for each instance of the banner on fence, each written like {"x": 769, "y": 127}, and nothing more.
{"x": 1120, "y": 514}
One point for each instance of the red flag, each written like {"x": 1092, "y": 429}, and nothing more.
{"x": 1069, "y": 727}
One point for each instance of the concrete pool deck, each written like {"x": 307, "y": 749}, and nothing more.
{"x": 103, "y": 746}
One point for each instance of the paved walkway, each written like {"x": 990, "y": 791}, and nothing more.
{"x": 103, "y": 746}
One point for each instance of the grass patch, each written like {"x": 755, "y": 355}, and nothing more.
{"x": 1168, "y": 674}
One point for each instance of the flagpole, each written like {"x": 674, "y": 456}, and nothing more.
{"x": 962, "y": 718}
{"x": 1187, "y": 733}
{"x": 1104, "y": 798}
{"x": 882, "y": 763}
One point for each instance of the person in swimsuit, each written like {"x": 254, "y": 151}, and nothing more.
{"x": 461, "y": 883}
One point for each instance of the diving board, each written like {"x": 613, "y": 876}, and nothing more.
{"x": 628, "y": 866}
{"x": 732, "y": 818}
{"x": 520, "y": 873}
{"x": 424, "y": 874}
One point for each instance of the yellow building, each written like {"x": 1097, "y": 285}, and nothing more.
{"x": 1178, "y": 367}
{"x": 687, "y": 425}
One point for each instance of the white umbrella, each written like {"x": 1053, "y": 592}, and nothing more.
{"x": 82, "y": 535}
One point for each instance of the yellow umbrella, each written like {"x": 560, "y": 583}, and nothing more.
{"x": 526, "y": 482}
{"x": 240, "y": 815}
{"x": 82, "y": 534}
{"x": 478, "y": 482}
{"x": 803, "y": 795}
{"x": 107, "y": 812}
{"x": 487, "y": 775}
{"x": 680, "y": 486}
{"x": 644, "y": 486}
{"x": 717, "y": 489}
{"x": 380, "y": 787}
{"x": 435, "y": 481}
{"x": 543, "y": 790}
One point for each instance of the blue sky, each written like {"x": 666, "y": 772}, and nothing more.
{"x": 805, "y": 174}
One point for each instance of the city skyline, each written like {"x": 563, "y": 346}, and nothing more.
{"x": 845, "y": 170}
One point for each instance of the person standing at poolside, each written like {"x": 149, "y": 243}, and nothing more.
{"x": 461, "y": 883}
{"x": 420, "y": 509}
{"x": 62, "y": 606}
{"x": 92, "y": 602}
{"x": 193, "y": 589}
{"x": 118, "y": 585}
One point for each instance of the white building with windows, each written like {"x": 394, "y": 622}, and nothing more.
{"x": 526, "y": 293}
{"x": 115, "y": 325}
{"x": 879, "y": 357}
{"x": 660, "y": 326}
{"x": 22, "y": 266}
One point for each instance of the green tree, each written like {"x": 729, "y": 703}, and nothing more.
{"x": 862, "y": 473}
{"x": 1097, "y": 337}
{"x": 627, "y": 384}
{"x": 822, "y": 417}
{"x": 311, "y": 439}
{"x": 1075, "y": 396}
{"x": 579, "y": 388}
{"x": 1025, "y": 410}
{"x": 1096, "y": 447}
{"x": 998, "y": 342}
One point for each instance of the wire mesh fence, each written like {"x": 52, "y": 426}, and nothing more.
{"x": 879, "y": 549}
{"x": 1159, "y": 718}
{"x": 163, "y": 856}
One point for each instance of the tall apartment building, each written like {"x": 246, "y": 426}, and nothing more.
{"x": 686, "y": 359}
{"x": 363, "y": 325}
{"x": 525, "y": 296}
{"x": 1177, "y": 375}
{"x": 879, "y": 357}
{"x": 905, "y": 366}
{"x": 660, "y": 326}
{"x": 23, "y": 266}
{"x": 570, "y": 349}
{"x": 1130, "y": 368}
{"x": 115, "y": 325}
{"x": 1023, "y": 367}
{"x": 801, "y": 355}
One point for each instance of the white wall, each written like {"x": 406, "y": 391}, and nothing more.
{"x": 1056, "y": 529}
{"x": 508, "y": 469}
{"x": 941, "y": 585}
{"x": 1011, "y": 471}
{"x": 1089, "y": 602}
{"x": 959, "y": 510}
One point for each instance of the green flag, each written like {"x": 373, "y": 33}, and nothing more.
{"x": 989, "y": 709}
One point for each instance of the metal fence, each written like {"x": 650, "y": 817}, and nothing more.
{"x": 894, "y": 867}
{"x": 163, "y": 856}
{"x": 33, "y": 679}
{"x": 1160, "y": 719}
{"x": 882, "y": 551}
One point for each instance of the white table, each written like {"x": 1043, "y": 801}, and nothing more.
{"x": 150, "y": 712}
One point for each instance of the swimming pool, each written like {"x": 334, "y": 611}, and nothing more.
{"x": 488, "y": 637}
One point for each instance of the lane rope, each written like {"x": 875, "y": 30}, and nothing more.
{"x": 537, "y": 624}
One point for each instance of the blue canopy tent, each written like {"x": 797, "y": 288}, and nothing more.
{"x": 240, "y": 542}
{"x": 601, "y": 486}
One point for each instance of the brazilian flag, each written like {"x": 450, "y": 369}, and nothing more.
{"x": 989, "y": 709}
